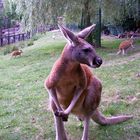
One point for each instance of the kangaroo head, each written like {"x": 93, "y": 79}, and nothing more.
{"x": 20, "y": 51}
{"x": 80, "y": 50}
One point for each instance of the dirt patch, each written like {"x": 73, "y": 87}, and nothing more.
{"x": 110, "y": 37}
{"x": 124, "y": 60}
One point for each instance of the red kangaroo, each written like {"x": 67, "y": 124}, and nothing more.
{"x": 124, "y": 45}
{"x": 73, "y": 88}
{"x": 16, "y": 53}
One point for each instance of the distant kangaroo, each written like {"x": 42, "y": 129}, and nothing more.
{"x": 73, "y": 88}
{"x": 16, "y": 53}
{"x": 124, "y": 45}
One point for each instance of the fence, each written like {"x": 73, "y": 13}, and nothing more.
{"x": 12, "y": 35}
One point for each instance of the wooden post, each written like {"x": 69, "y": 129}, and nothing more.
{"x": 8, "y": 37}
{"x": 99, "y": 40}
{"x": 14, "y": 35}
{"x": 23, "y": 36}
{"x": 1, "y": 40}
{"x": 19, "y": 37}
{"x": 138, "y": 14}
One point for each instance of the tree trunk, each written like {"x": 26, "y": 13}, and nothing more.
{"x": 98, "y": 33}
{"x": 85, "y": 18}
{"x": 138, "y": 14}
{"x": 86, "y": 21}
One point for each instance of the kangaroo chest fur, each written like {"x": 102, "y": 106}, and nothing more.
{"x": 68, "y": 83}
{"x": 66, "y": 77}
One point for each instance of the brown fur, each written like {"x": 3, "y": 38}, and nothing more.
{"x": 124, "y": 45}
{"x": 16, "y": 53}
{"x": 73, "y": 88}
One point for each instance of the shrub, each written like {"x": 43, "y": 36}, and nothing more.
{"x": 35, "y": 37}
{"x": 9, "y": 49}
{"x": 22, "y": 44}
{"x": 30, "y": 43}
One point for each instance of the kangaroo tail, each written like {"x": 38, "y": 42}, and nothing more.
{"x": 99, "y": 118}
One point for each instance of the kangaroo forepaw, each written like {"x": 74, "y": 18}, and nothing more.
{"x": 65, "y": 118}
{"x": 61, "y": 114}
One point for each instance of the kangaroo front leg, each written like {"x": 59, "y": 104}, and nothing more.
{"x": 59, "y": 126}
{"x": 53, "y": 95}
{"x": 77, "y": 94}
{"x": 86, "y": 128}
{"x": 132, "y": 46}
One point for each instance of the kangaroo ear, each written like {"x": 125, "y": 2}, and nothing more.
{"x": 85, "y": 32}
{"x": 70, "y": 37}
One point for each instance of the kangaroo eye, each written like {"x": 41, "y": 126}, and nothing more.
{"x": 87, "y": 50}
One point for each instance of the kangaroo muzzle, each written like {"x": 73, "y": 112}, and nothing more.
{"x": 97, "y": 61}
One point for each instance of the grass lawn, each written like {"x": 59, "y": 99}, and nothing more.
{"x": 24, "y": 112}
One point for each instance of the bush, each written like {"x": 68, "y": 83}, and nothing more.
{"x": 21, "y": 44}
{"x": 14, "y": 48}
{"x": 9, "y": 49}
{"x": 30, "y": 43}
{"x": 35, "y": 37}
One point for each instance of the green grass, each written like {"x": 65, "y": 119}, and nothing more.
{"x": 24, "y": 112}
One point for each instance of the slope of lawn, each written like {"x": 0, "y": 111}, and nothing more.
{"x": 24, "y": 111}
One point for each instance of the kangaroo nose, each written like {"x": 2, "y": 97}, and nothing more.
{"x": 98, "y": 61}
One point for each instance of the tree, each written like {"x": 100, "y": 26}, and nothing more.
{"x": 8, "y": 14}
{"x": 86, "y": 17}
{"x": 36, "y": 12}
{"x": 118, "y": 11}
{"x": 82, "y": 12}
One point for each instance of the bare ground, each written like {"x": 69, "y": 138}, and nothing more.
{"x": 124, "y": 60}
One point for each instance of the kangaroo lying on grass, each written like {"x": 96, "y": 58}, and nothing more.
{"x": 16, "y": 53}
{"x": 73, "y": 88}
{"x": 124, "y": 45}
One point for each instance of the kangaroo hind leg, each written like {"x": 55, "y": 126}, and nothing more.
{"x": 86, "y": 128}
{"x": 118, "y": 52}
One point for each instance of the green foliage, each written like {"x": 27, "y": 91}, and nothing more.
{"x": 36, "y": 37}
{"x": 137, "y": 41}
{"x": 9, "y": 11}
{"x": 116, "y": 11}
{"x": 81, "y": 12}
{"x": 19, "y": 45}
{"x": 30, "y": 42}
{"x": 9, "y": 49}
{"x": 111, "y": 44}
{"x": 114, "y": 108}
{"x": 36, "y": 12}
